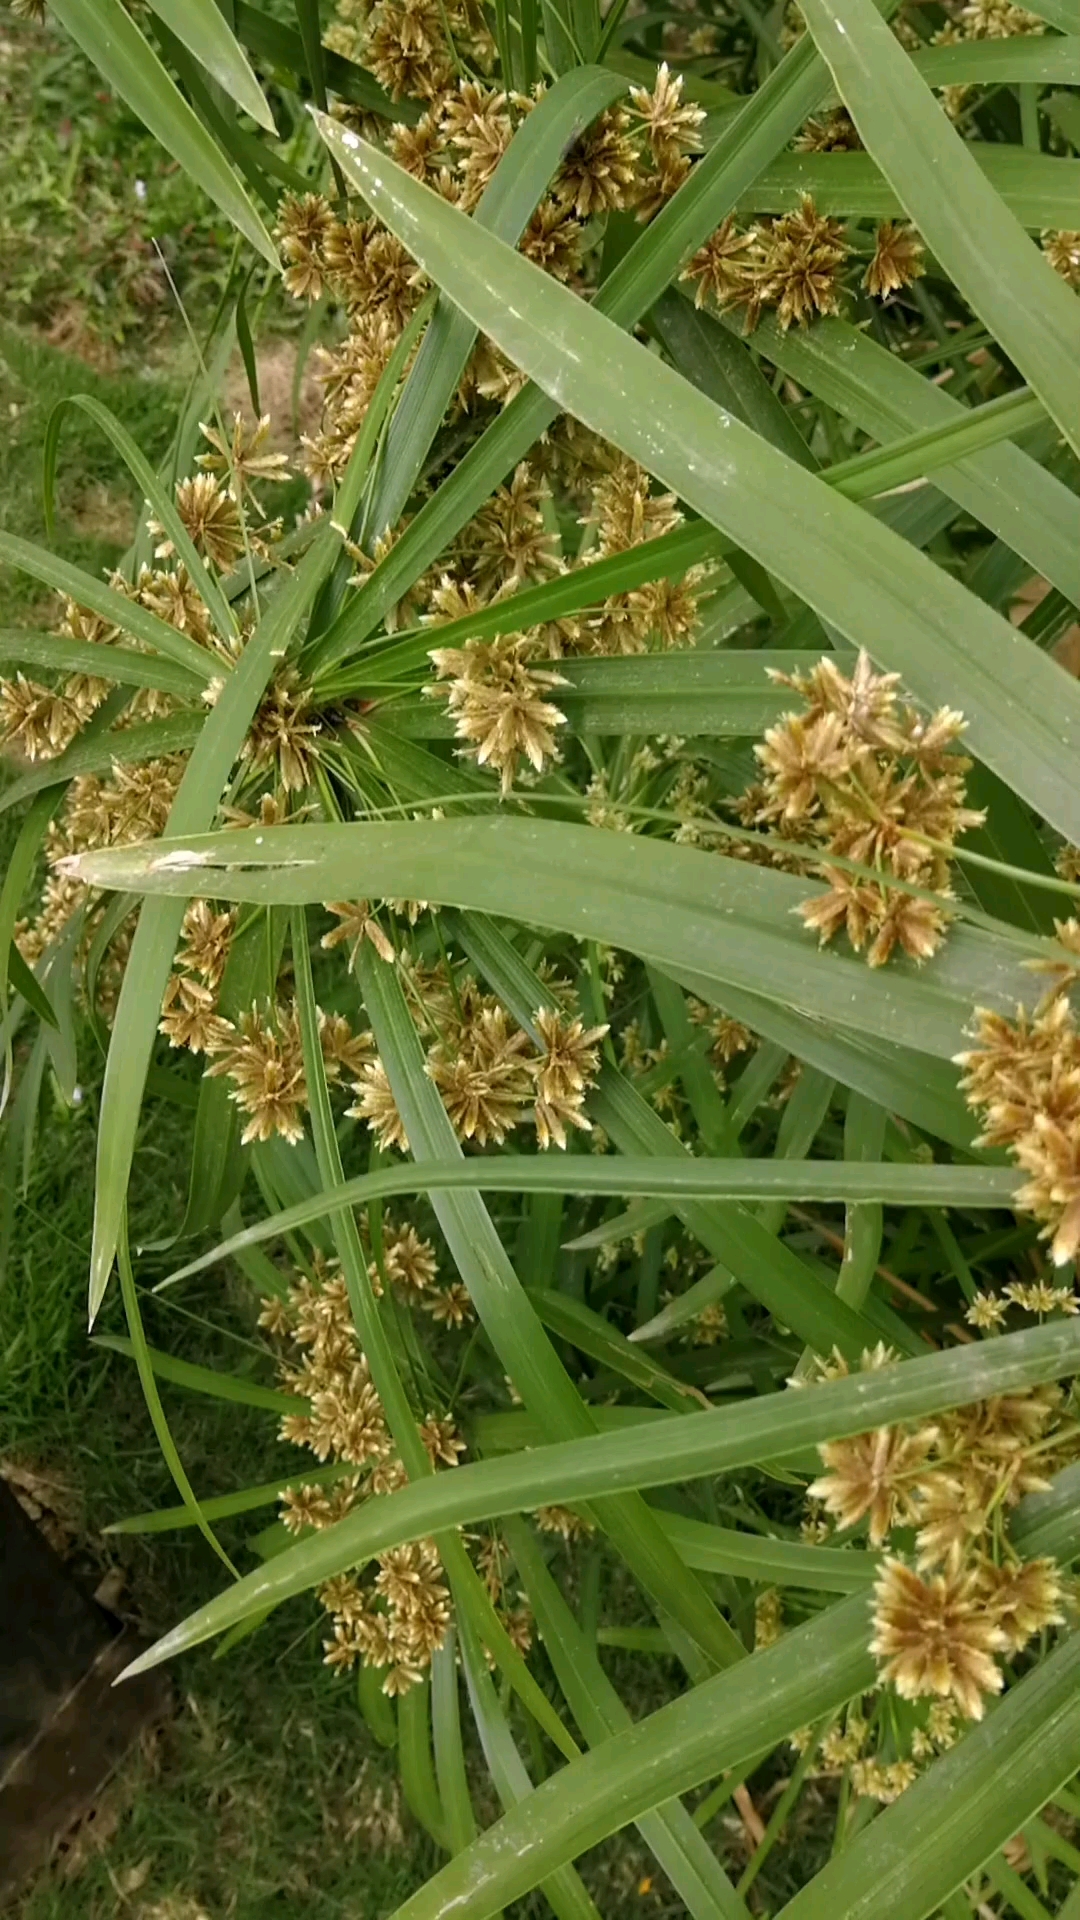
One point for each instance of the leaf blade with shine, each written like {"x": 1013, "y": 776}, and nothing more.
{"x": 646, "y": 1453}
{"x": 874, "y": 588}
{"x": 981, "y": 245}
{"x": 110, "y": 38}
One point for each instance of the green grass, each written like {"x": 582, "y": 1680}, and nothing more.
{"x": 264, "y": 1752}
{"x": 96, "y": 502}
{"x": 86, "y": 200}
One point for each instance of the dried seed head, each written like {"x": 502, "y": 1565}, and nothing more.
{"x": 265, "y": 1064}
{"x": 1062, "y": 249}
{"x": 873, "y": 1476}
{"x": 935, "y": 1637}
{"x": 212, "y": 518}
{"x": 898, "y": 260}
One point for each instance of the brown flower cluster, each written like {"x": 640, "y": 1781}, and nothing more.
{"x": 413, "y": 47}
{"x": 399, "y": 1617}
{"x": 629, "y": 157}
{"x": 1062, "y": 249}
{"x": 394, "y": 1614}
{"x": 1023, "y": 1078}
{"x": 942, "y": 1624}
{"x": 497, "y": 698}
{"x": 795, "y": 265}
{"x": 492, "y": 1076}
{"x": 859, "y": 774}
{"x": 131, "y": 803}
{"x": 848, "y": 1747}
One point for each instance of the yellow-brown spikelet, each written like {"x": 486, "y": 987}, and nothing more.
{"x": 376, "y": 1104}
{"x": 206, "y": 940}
{"x": 509, "y": 541}
{"x": 998, "y": 20}
{"x": 897, "y": 260}
{"x": 1062, "y": 249}
{"x": 451, "y": 1306}
{"x": 37, "y": 721}
{"x": 264, "y": 1062}
{"x": 873, "y": 1476}
{"x": 212, "y": 518}
{"x": 476, "y": 123}
{"x": 1024, "y": 1077}
{"x": 189, "y": 1015}
{"x": 356, "y": 923}
{"x": 600, "y": 172}
{"x": 497, "y": 699}
{"x": 405, "y": 48}
{"x": 563, "y": 1074}
{"x": 671, "y": 124}
{"x": 935, "y": 1637}
{"x": 724, "y": 266}
{"x": 481, "y": 1070}
{"x": 1023, "y": 1599}
{"x": 171, "y": 593}
{"x": 801, "y": 262}
{"x": 833, "y": 132}
{"x": 871, "y": 780}
{"x": 284, "y": 733}
{"x": 303, "y": 223}
{"x": 564, "y": 1521}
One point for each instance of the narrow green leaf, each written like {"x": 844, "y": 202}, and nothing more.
{"x": 1049, "y": 1523}
{"x": 679, "y": 1848}
{"x": 762, "y": 127}
{"x": 643, "y": 1453}
{"x": 690, "y": 913}
{"x": 219, "y": 742}
{"x": 864, "y": 1137}
{"x": 450, "y": 1770}
{"x": 1060, "y": 13}
{"x": 153, "y": 493}
{"x": 768, "y": 1562}
{"x": 97, "y": 753}
{"x": 471, "y": 1596}
{"x": 247, "y": 348}
{"x": 418, "y": 1783}
{"x": 140, "y": 1353}
{"x": 719, "y": 1724}
{"x": 723, "y": 366}
{"x": 87, "y": 591}
{"x": 878, "y": 591}
{"x": 226, "y": 1506}
{"x": 970, "y": 229}
{"x": 1027, "y": 189}
{"x": 23, "y": 982}
{"x": 201, "y": 26}
{"x": 56, "y": 653}
{"x": 907, "y": 1083}
{"x": 510, "y": 1320}
{"x": 111, "y": 40}
{"x": 962, "y": 1809}
{"x": 283, "y": 48}
{"x": 505, "y": 208}
{"x": 675, "y": 1178}
{"x": 591, "y": 1334}
{"x": 563, "y": 1891}
{"x": 995, "y": 63}
{"x": 1003, "y": 487}
{"x": 205, "y": 1380}
{"x": 20, "y": 866}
